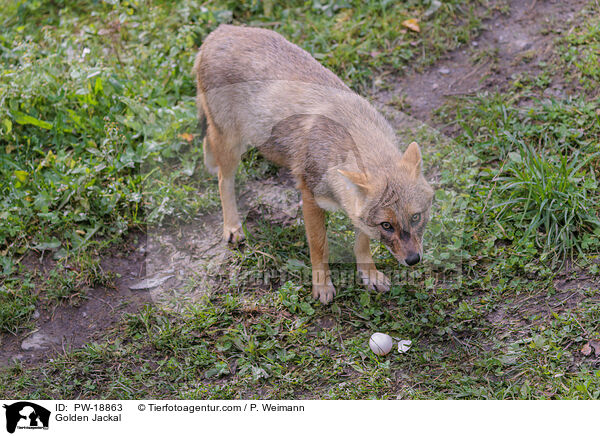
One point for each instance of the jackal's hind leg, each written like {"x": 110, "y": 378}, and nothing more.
{"x": 223, "y": 155}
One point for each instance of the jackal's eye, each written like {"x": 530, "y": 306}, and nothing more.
{"x": 415, "y": 218}
{"x": 387, "y": 226}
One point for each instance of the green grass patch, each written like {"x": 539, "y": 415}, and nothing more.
{"x": 255, "y": 346}
{"x": 91, "y": 93}
{"x": 553, "y": 200}
{"x": 17, "y": 305}
{"x": 538, "y": 188}
{"x": 73, "y": 277}
{"x": 580, "y": 49}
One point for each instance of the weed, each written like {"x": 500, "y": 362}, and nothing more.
{"x": 554, "y": 200}
{"x": 72, "y": 278}
{"x": 17, "y": 305}
{"x": 579, "y": 50}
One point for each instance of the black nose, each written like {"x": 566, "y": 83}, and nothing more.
{"x": 412, "y": 259}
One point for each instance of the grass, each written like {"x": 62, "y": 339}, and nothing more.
{"x": 93, "y": 91}
{"x": 17, "y": 305}
{"x": 98, "y": 139}
{"x": 228, "y": 348}
{"x": 555, "y": 201}
{"x": 541, "y": 167}
{"x": 72, "y": 281}
{"x": 579, "y": 51}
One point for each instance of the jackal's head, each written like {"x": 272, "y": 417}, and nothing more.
{"x": 393, "y": 204}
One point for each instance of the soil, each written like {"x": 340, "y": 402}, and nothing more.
{"x": 61, "y": 327}
{"x": 167, "y": 258}
{"x": 509, "y": 45}
{"x": 170, "y": 266}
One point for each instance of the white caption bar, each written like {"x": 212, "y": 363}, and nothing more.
{"x": 249, "y": 417}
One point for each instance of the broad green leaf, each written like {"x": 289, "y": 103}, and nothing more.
{"x": 7, "y": 125}
{"x": 21, "y": 175}
{"x": 23, "y": 119}
{"x": 50, "y": 245}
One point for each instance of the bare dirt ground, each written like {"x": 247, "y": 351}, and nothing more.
{"x": 510, "y": 44}
{"x": 62, "y": 327}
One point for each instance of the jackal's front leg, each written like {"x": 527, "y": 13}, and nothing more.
{"x": 316, "y": 233}
{"x": 372, "y": 278}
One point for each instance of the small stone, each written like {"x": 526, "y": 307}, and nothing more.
{"x": 37, "y": 341}
{"x": 555, "y": 92}
{"x": 522, "y": 44}
{"x": 433, "y": 8}
{"x": 474, "y": 43}
{"x": 444, "y": 70}
{"x": 586, "y": 350}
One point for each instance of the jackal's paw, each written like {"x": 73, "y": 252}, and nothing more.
{"x": 324, "y": 292}
{"x": 375, "y": 280}
{"x": 233, "y": 235}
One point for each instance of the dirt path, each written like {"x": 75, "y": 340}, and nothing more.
{"x": 62, "y": 327}
{"x": 511, "y": 44}
{"x": 168, "y": 267}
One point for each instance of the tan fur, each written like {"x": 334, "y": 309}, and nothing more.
{"x": 314, "y": 222}
{"x": 256, "y": 89}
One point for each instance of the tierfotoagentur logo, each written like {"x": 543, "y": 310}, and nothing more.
{"x": 26, "y": 415}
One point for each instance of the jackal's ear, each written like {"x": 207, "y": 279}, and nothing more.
{"x": 360, "y": 179}
{"x": 412, "y": 158}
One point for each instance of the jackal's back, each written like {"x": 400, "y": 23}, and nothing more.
{"x": 259, "y": 90}
{"x": 233, "y": 54}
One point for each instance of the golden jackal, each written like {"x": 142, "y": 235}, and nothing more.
{"x": 256, "y": 89}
